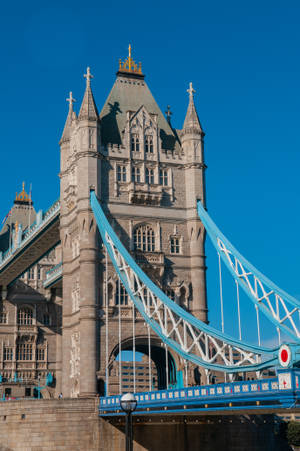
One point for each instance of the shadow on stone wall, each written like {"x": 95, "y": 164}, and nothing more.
{"x": 225, "y": 433}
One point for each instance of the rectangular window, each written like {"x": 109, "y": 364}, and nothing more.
{"x": 7, "y": 353}
{"x": 136, "y": 174}
{"x": 24, "y": 351}
{"x": 31, "y": 274}
{"x": 175, "y": 245}
{"x": 135, "y": 143}
{"x": 46, "y": 319}
{"x": 41, "y": 354}
{"x": 27, "y": 392}
{"x": 150, "y": 176}
{"x": 121, "y": 173}
{"x": 39, "y": 272}
{"x": 3, "y": 318}
{"x": 148, "y": 144}
{"x": 7, "y": 391}
{"x": 163, "y": 177}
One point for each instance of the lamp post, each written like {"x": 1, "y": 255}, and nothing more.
{"x": 128, "y": 405}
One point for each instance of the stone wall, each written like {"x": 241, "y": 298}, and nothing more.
{"x": 39, "y": 425}
{"x": 73, "y": 425}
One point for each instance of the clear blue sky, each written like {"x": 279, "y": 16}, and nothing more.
{"x": 243, "y": 59}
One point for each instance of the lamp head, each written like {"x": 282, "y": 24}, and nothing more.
{"x": 128, "y": 402}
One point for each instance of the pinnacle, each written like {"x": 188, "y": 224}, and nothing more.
{"x": 191, "y": 122}
{"x": 66, "y": 133}
{"x": 88, "y": 109}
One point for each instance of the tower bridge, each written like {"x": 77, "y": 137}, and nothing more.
{"x": 118, "y": 263}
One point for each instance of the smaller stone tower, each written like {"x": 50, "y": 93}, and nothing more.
{"x": 80, "y": 168}
{"x": 192, "y": 144}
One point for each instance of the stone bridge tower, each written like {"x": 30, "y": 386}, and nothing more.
{"x": 148, "y": 177}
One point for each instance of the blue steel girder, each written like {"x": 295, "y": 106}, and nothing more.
{"x": 282, "y": 309}
{"x": 33, "y": 246}
{"x": 189, "y": 337}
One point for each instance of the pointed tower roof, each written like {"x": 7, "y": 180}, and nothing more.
{"x": 129, "y": 93}
{"x": 66, "y": 133}
{"x": 88, "y": 109}
{"x": 191, "y": 122}
{"x": 22, "y": 212}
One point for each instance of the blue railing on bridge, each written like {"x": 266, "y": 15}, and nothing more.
{"x": 41, "y": 220}
{"x": 275, "y": 393}
{"x": 53, "y": 274}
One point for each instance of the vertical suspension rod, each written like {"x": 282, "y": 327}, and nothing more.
{"x": 166, "y": 348}
{"x": 133, "y": 339}
{"x": 221, "y": 292}
{"x": 258, "y": 325}
{"x": 120, "y": 338}
{"x": 149, "y": 343}
{"x": 238, "y": 305}
{"x": 106, "y": 327}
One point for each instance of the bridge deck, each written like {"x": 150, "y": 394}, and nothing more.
{"x": 268, "y": 395}
{"x": 36, "y": 243}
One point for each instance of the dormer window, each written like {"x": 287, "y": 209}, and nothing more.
{"x": 135, "y": 143}
{"x": 163, "y": 177}
{"x": 136, "y": 174}
{"x": 149, "y": 176}
{"x": 148, "y": 144}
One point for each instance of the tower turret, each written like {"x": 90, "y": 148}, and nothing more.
{"x": 80, "y": 168}
{"x": 192, "y": 133}
{"x": 192, "y": 143}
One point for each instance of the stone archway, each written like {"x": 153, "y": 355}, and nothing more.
{"x": 158, "y": 356}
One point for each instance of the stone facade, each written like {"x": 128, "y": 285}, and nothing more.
{"x": 148, "y": 177}
{"x": 30, "y": 317}
{"x": 74, "y": 425}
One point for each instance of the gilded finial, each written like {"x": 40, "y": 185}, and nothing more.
{"x": 23, "y": 196}
{"x": 129, "y": 64}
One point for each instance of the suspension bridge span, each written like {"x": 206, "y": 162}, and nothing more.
{"x": 129, "y": 274}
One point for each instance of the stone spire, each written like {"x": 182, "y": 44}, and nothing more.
{"x": 66, "y": 133}
{"x": 88, "y": 108}
{"x": 191, "y": 122}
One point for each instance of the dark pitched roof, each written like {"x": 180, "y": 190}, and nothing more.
{"x": 129, "y": 93}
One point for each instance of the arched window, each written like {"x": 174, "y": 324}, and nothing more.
{"x": 135, "y": 143}
{"x": 144, "y": 239}
{"x": 25, "y": 316}
{"x": 122, "y": 296}
{"x": 148, "y": 144}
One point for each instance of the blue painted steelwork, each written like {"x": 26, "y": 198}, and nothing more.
{"x": 53, "y": 275}
{"x": 278, "y": 392}
{"x": 107, "y": 233}
{"x": 43, "y": 220}
{"x": 222, "y": 244}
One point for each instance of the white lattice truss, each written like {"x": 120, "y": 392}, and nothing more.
{"x": 282, "y": 312}
{"x": 187, "y": 340}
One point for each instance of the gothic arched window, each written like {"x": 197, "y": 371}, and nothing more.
{"x": 144, "y": 239}
{"x": 148, "y": 144}
{"x": 25, "y": 316}
{"x": 135, "y": 143}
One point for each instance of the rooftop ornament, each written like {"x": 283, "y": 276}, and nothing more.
{"x": 129, "y": 65}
